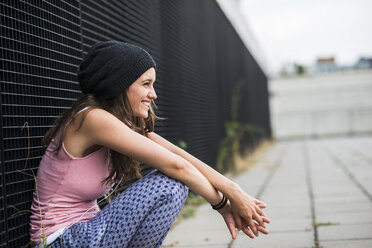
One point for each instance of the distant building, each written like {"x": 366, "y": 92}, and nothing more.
{"x": 326, "y": 64}
{"x": 364, "y": 63}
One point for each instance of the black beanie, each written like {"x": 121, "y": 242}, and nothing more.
{"x": 110, "y": 67}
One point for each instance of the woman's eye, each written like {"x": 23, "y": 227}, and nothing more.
{"x": 146, "y": 84}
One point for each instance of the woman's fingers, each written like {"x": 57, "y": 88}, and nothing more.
{"x": 262, "y": 230}
{"x": 252, "y": 225}
{"x": 265, "y": 219}
{"x": 238, "y": 221}
{"x": 261, "y": 206}
{"x": 262, "y": 214}
{"x": 232, "y": 230}
{"x": 261, "y": 220}
{"x": 248, "y": 232}
{"x": 259, "y": 210}
{"x": 258, "y": 202}
{"x": 258, "y": 218}
{"x": 249, "y": 215}
{"x": 230, "y": 222}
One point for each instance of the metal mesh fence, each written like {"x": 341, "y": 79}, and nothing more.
{"x": 200, "y": 61}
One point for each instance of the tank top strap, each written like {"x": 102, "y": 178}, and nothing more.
{"x": 80, "y": 111}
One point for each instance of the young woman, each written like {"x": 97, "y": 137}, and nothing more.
{"x": 100, "y": 142}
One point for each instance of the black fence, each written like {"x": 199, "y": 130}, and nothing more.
{"x": 201, "y": 63}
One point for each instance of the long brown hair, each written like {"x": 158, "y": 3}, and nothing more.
{"x": 122, "y": 167}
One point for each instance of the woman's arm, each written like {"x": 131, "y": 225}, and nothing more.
{"x": 245, "y": 208}
{"x": 220, "y": 182}
{"x": 102, "y": 128}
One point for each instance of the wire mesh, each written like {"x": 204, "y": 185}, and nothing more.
{"x": 200, "y": 58}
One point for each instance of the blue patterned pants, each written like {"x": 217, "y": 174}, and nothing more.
{"x": 139, "y": 217}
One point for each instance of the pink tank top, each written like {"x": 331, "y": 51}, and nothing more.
{"x": 68, "y": 188}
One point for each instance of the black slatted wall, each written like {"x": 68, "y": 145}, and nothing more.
{"x": 200, "y": 59}
{"x": 40, "y": 48}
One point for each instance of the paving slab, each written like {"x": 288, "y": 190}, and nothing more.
{"x": 279, "y": 240}
{"x": 345, "y": 207}
{"x": 290, "y": 225}
{"x": 344, "y": 232}
{"x": 354, "y": 243}
{"x": 208, "y": 228}
{"x": 361, "y": 217}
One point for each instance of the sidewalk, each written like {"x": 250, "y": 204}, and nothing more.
{"x": 318, "y": 192}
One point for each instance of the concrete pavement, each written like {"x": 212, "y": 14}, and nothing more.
{"x": 318, "y": 192}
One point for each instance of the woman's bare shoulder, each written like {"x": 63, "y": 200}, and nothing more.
{"x": 79, "y": 134}
{"x": 97, "y": 113}
{"x": 97, "y": 116}
{"x": 99, "y": 122}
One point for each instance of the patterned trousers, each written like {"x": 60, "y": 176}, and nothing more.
{"x": 141, "y": 216}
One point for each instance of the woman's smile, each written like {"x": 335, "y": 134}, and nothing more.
{"x": 147, "y": 104}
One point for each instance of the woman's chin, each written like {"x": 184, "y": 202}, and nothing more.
{"x": 142, "y": 115}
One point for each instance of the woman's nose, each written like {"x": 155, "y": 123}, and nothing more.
{"x": 152, "y": 94}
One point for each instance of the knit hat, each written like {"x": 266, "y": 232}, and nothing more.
{"x": 110, "y": 67}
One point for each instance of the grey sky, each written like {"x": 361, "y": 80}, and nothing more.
{"x": 302, "y": 30}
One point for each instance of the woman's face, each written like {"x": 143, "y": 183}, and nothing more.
{"x": 141, "y": 92}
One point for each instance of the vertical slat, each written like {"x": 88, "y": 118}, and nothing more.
{"x": 3, "y": 216}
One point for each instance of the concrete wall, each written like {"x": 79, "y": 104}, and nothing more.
{"x": 329, "y": 104}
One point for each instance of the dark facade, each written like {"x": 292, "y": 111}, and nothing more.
{"x": 200, "y": 60}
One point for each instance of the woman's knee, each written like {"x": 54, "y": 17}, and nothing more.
{"x": 170, "y": 188}
{"x": 180, "y": 192}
